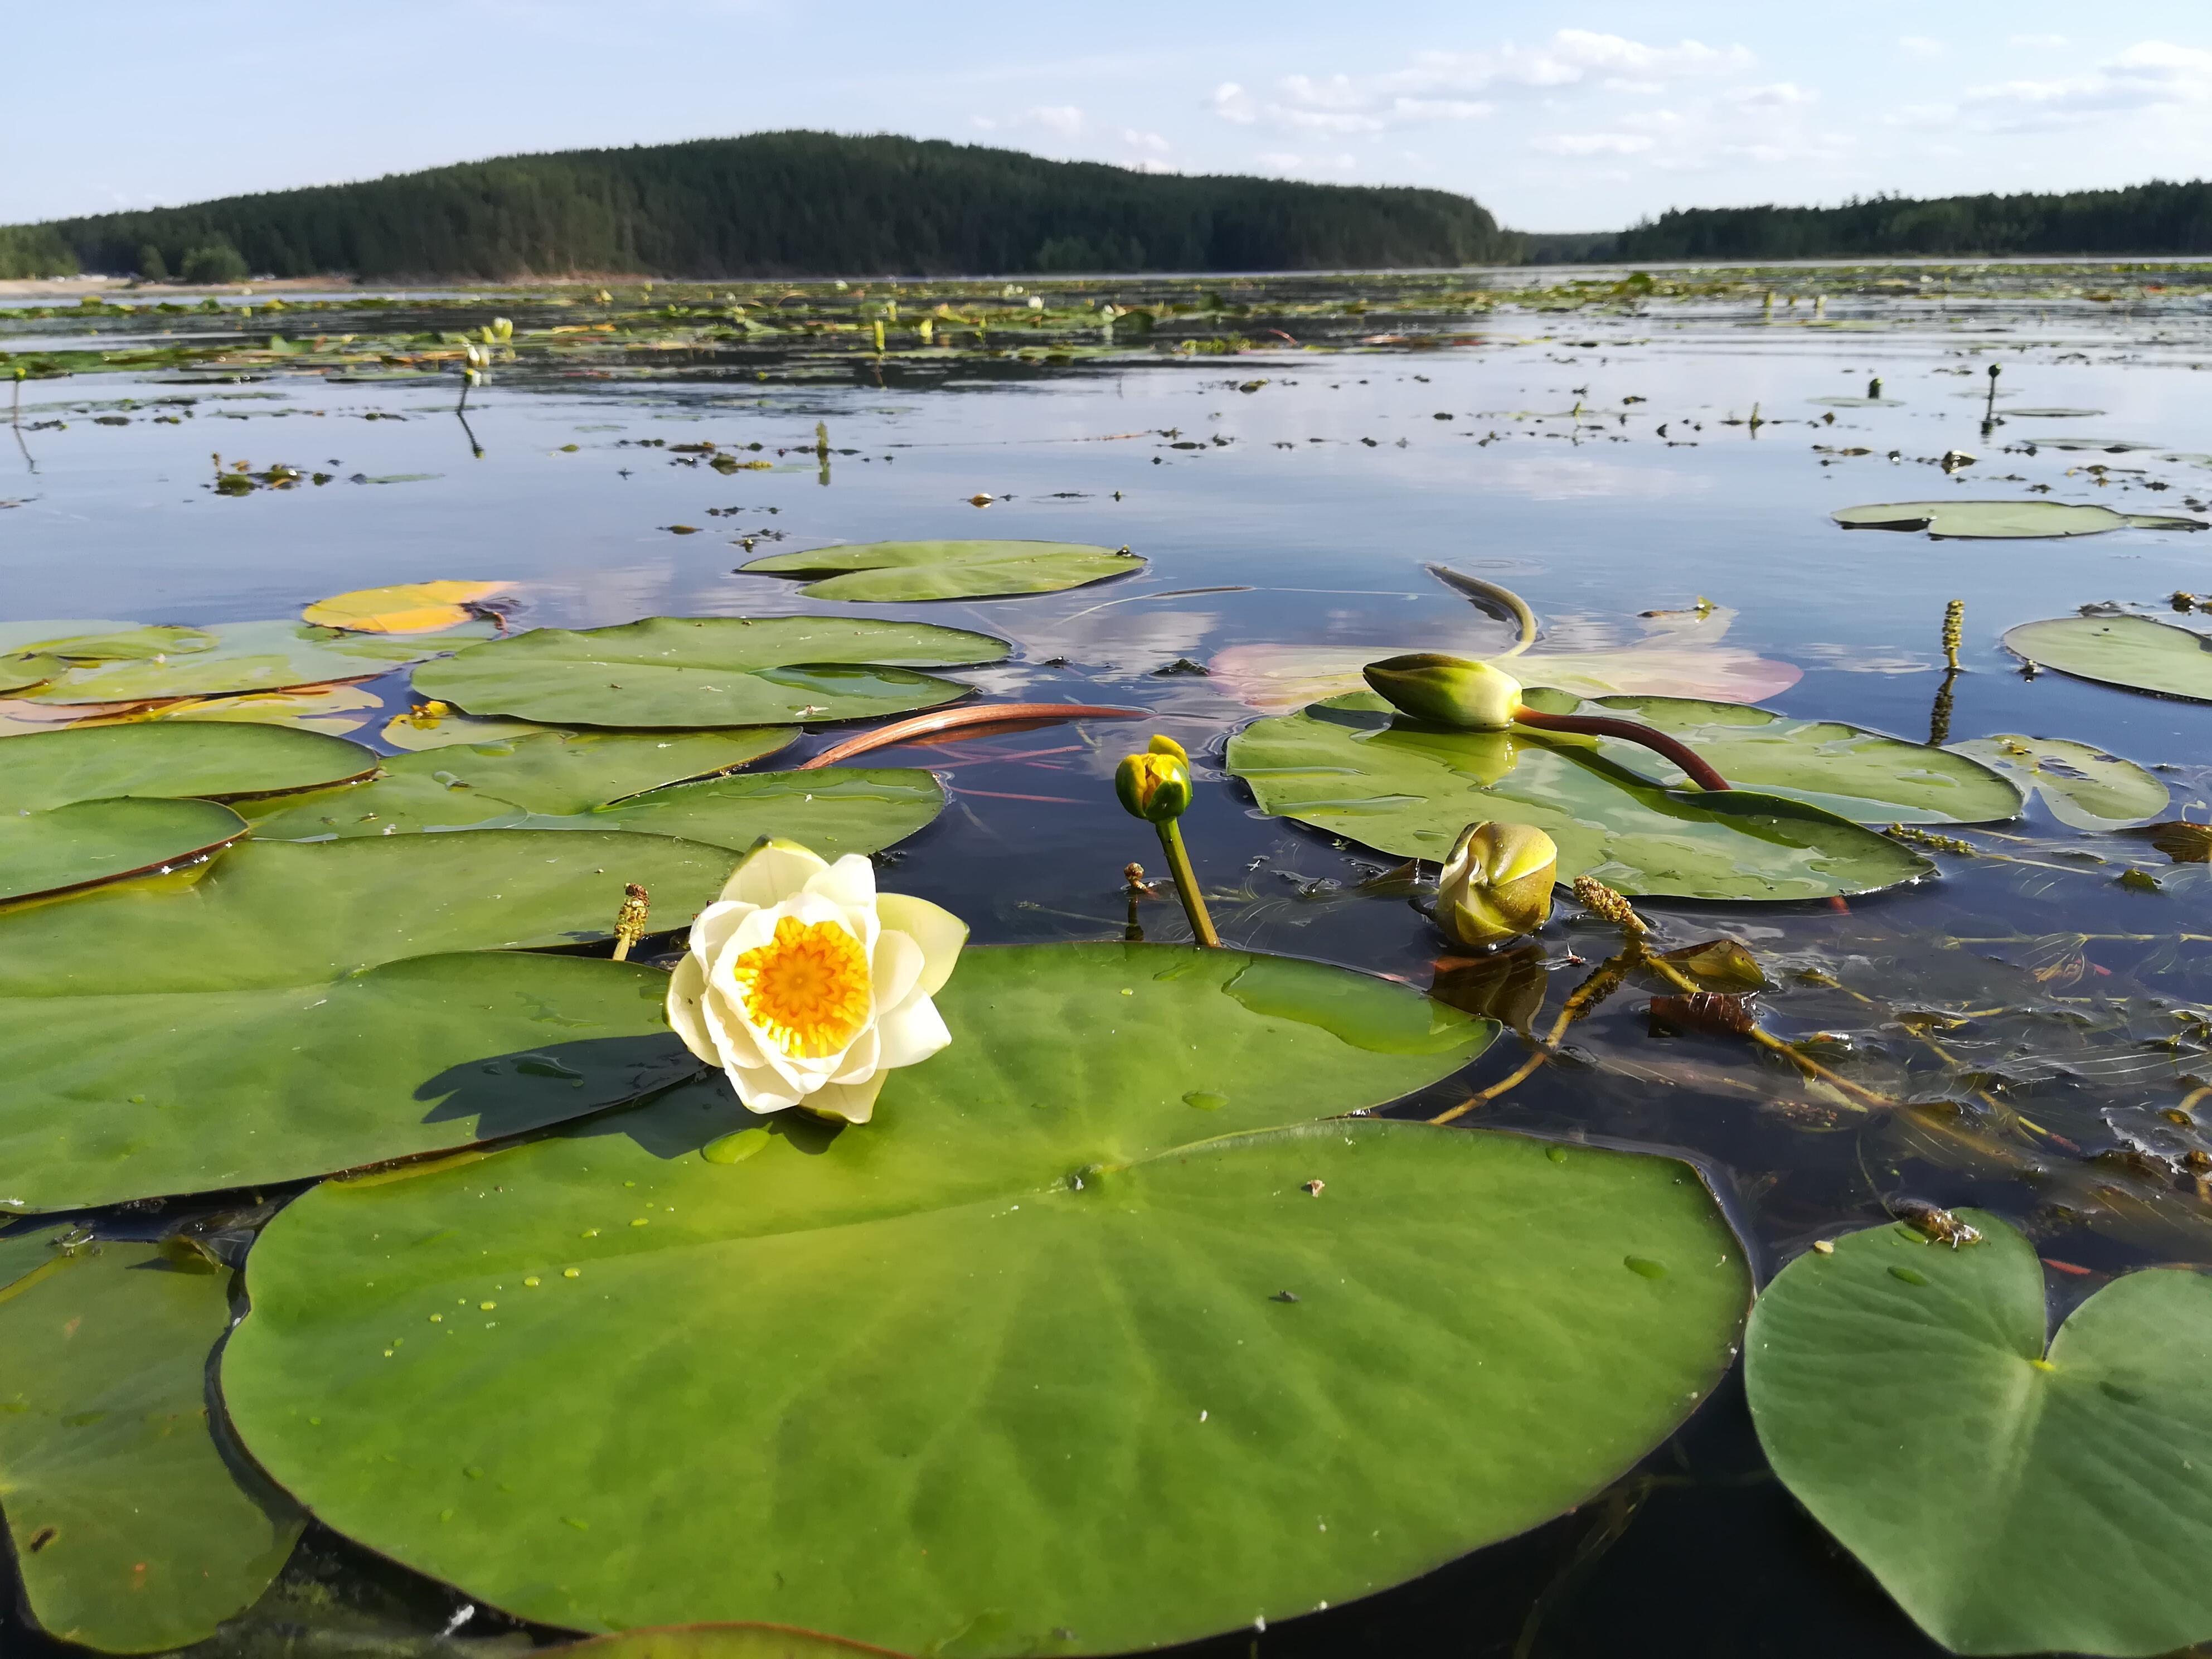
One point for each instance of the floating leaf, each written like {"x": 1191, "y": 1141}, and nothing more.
{"x": 1847, "y": 770}
{"x": 1103, "y": 1364}
{"x": 82, "y": 844}
{"x": 718, "y": 1642}
{"x": 1682, "y": 658}
{"x": 709, "y": 671}
{"x": 20, "y": 673}
{"x": 252, "y": 656}
{"x": 1346, "y": 765}
{"x": 2003, "y": 520}
{"x": 607, "y": 780}
{"x": 886, "y": 572}
{"x": 2132, "y": 652}
{"x": 2050, "y": 415}
{"x": 2083, "y": 786}
{"x": 434, "y": 726}
{"x": 294, "y": 1011}
{"x": 214, "y": 760}
{"x": 26, "y": 638}
{"x": 408, "y": 608}
{"x": 1895, "y": 1379}
{"x": 132, "y": 1531}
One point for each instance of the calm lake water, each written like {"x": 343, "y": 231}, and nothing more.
{"x": 1305, "y": 515}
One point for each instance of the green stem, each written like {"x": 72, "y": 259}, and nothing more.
{"x": 1185, "y": 881}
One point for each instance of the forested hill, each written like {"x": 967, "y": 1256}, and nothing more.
{"x": 2151, "y": 219}
{"x": 776, "y": 204}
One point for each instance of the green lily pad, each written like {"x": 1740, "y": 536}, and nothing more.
{"x": 2012, "y": 1503}
{"x": 302, "y": 1008}
{"x": 709, "y": 671}
{"x": 20, "y": 673}
{"x": 2051, "y": 414}
{"x": 2133, "y": 653}
{"x": 426, "y": 728}
{"x": 84, "y": 642}
{"x": 1853, "y": 772}
{"x": 606, "y": 781}
{"x": 132, "y": 1530}
{"x": 29, "y": 637}
{"x": 718, "y": 1642}
{"x": 2083, "y": 786}
{"x": 1347, "y": 767}
{"x": 1987, "y": 520}
{"x": 85, "y": 842}
{"x": 224, "y": 658}
{"x": 213, "y": 760}
{"x": 885, "y": 572}
{"x": 1092, "y": 1341}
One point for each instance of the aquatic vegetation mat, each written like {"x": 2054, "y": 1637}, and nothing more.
{"x": 1895, "y": 1377}
{"x": 715, "y": 671}
{"x": 898, "y": 571}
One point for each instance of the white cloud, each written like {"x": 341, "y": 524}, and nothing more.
{"x": 2149, "y": 75}
{"x": 2037, "y": 42}
{"x": 1145, "y": 141}
{"x": 1919, "y": 46}
{"x": 1779, "y": 95}
{"x": 1232, "y": 103}
{"x": 1065, "y": 119}
{"x": 1591, "y": 144}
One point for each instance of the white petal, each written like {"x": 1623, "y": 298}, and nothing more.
{"x": 860, "y": 1060}
{"x": 853, "y": 1102}
{"x": 896, "y": 969}
{"x": 914, "y": 1031}
{"x": 938, "y": 931}
{"x": 760, "y": 1090}
{"x": 685, "y": 987}
{"x": 772, "y": 872}
{"x": 715, "y": 925}
{"x": 732, "y": 1039}
{"x": 850, "y": 882}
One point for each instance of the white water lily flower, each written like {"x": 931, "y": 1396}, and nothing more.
{"x": 805, "y": 985}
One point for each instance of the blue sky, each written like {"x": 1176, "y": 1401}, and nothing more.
{"x": 1557, "y": 116}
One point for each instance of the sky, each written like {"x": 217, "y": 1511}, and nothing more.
{"x": 1555, "y": 114}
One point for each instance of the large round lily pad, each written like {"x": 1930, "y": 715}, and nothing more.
{"x": 606, "y": 781}
{"x": 893, "y": 571}
{"x": 2082, "y": 786}
{"x": 1995, "y": 520}
{"x": 1348, "y": 767}
{"x": 82, "y": 844}
{"x": 2012, "y": 1502}
{"x": 132, "y": 1531}
{"x": 710, "y": 671}
{"x": 150, "y": 664}
{"x": 1093, "y": 1341}
{"x": 1855, "y": 773}
{"x": 215, "y": 760}
{"x": 2132, "y": 652}
{"x": 300, "y": 1009}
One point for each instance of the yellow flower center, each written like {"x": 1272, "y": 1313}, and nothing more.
{"x": 806, "y": 988}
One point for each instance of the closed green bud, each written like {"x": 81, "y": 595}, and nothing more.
{"x": 1155, "y": 785}
{"x": 1497, "y": 884}
{"x": 1442, "y": 690}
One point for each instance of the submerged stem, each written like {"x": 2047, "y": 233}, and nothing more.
{"x": 1185, "y": 881}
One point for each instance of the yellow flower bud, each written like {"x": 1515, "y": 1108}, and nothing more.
{"x": 1154, "y": 786}
{"x": 1454, "y": 691}
{"x": 1163, "y": 744}
{"x": 1497, "y": 884}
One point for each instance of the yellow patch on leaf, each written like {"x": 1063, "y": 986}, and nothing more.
{"x": 406, "y": 608}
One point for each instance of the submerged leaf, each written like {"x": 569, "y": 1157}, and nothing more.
{"x": 1894, "y": 1379}
{"x": 899, "y": 571}
{"x": 132, "y": 1530}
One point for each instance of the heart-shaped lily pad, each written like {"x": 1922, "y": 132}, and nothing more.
{"x": 1855, "y": 773}
{"x": 1348, "y": 767}
{"x": 893, "y": 571}
{"x": 294, "y": 1011}
{"x": 1997, "y": 520}
{"x": 224, "y": 658}
{"x": 132, "y": 1531}
{"x": 606, "y": 781}
{"x": 710, "y": 671}
{"x": 2132, "y": 652}
{"x": 1124, "y": 1347}
{"x": 2083, "y": 786}
{"x": 2012, "y": 1502}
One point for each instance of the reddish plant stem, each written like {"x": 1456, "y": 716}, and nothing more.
{"x": 948, "y": 719}
{"x": 1601, "y": 725}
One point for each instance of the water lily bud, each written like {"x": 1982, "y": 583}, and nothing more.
{"x": 1455, "y": 691}
{"x": 1163, "y": 744}
{"x": 1497, "y": 884}
{"x": 1153, "y": 787}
